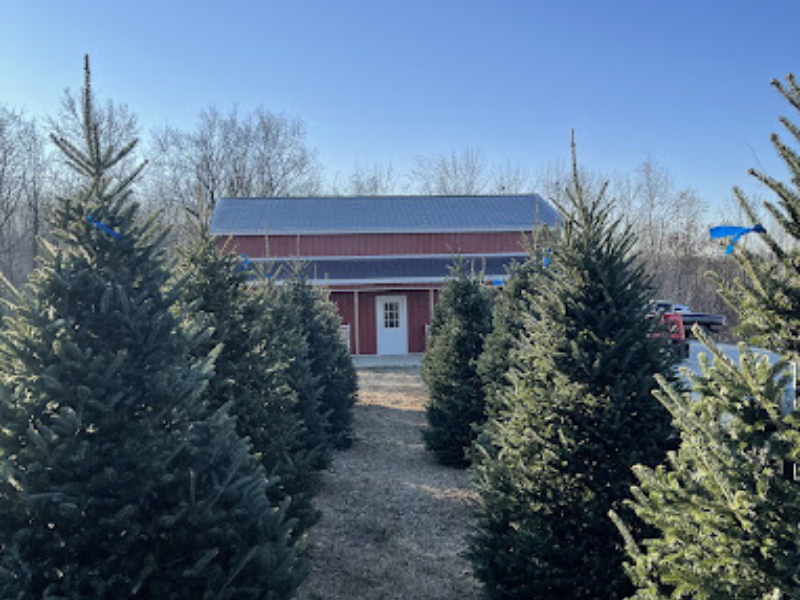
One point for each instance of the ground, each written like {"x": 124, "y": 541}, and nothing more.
{"x": 393, "y": 521}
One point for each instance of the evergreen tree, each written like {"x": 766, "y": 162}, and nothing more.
{"x": 724, "y": 509}
{"x": 501, "y": 347}
{"x": 331, "y": 363}
{"x": 725, "y": 514}
{"x": 252, "y": 371}
{"x": 455, "y": 409}
{"x": 578, "y": 415}
{"x": 117, "y": 480}
{"x": 768, "y": 299}
{"x": 285, "y": 329}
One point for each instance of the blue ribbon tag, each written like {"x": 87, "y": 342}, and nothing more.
{"x": 104, "y": 228}
{"x": 735, "y": 233}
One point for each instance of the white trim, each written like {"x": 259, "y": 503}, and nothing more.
{"x": 392, "y": 281}
{"x": 379, "y": 230}
{"x": 387, "y": 257}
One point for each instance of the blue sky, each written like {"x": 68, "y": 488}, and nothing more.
{"x": 686, "y": 81}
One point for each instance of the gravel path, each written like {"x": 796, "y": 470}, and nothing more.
{"x": 393, "y": 521}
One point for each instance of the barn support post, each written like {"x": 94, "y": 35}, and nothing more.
{"x": 356, "y": 320}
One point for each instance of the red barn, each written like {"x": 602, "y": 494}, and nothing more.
{"x": 384, "y": 258}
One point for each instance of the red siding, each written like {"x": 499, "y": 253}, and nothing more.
{"x": 418, "y": 304}
{"x": 367, "y": 326}
{"x": 378, "y": 244}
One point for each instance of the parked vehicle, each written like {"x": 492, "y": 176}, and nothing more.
{"x": 708, "y": 321}
{"x": 677, "y": 333}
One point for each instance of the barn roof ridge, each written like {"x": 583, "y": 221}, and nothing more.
{"x": 381, "y": 214}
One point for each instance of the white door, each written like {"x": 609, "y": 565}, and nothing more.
{"x": 392, "y": 324}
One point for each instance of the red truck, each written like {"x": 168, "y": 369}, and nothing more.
{"x": 674, "y": 328}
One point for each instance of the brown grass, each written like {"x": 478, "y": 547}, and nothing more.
{"x": 393, "y": 521}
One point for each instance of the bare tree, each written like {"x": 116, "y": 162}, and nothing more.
{"x": 375, "y": 180}
{"x": 511, "y": 179}
{"x": 456, "y": 174}
{"x": 257, "y": 155}
{"x": 24, "y": 177}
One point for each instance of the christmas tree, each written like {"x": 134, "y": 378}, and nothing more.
{"x": 501, "y": 348}
{"x": 455, "y": 408}
{"x": 252, "y": 371}
{"x": 285, "y": 329}
{"x": 768, "y": 299}
{"x": 723, "y": 511}
{"x": 117, "y": 479}
{"x": 579, "y": 413}
{"x": 329, "y": 356}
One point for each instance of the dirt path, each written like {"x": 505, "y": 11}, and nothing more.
{"x": 393, "y": 521}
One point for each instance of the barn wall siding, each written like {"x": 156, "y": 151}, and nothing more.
{"x": 378, "y": 244}
{"x": 367, "y": 327}
{"x": 418, "y": 316}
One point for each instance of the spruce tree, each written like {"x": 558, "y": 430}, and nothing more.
{"x": 723, "y": 511}
{"x": 455, "y": 409}
{"x": 578, "y": 415}
{"x": 118, "y": 481}
{"x": 285, "y": 329}
{"x": 768, "y": 298}
{"x": 329, "y": 356}
{"x": 501, "y": 347}
{"x": 251, "y": 371}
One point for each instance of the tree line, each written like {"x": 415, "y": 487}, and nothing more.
{"x": 261, "y": 153}
{"x": 602, "y": 470}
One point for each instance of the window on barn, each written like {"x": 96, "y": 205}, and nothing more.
{"x": 391, "y": 315}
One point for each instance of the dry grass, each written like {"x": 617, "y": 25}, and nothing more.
{"x": 393, "y": 521}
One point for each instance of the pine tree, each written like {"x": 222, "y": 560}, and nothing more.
{"x": 117, "y": 480}
{"x": 331, "y": 363}
{"x": 252, "y": 371}
{"x": 723, "y": 516}
{"x": 578, "y": 415}
{"x": 768, "y": 299}
{"x": 455, "y": 408}
{"x": 723, "y": 511}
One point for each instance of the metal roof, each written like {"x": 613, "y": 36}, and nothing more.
{"x": 380, "y": 214}
{"x": 388, "y": 270}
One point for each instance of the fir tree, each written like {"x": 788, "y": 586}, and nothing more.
{"x": 117, "y": 480}
{"x": 725, "y": 514}
{"x": 252, "y": 373}
{"x": 578, "y": 415}
{"x": 331, "y": 363}
{"x": 768, "y": 299}
{"x": 501, "y": 347}
{"x": 455, "y": 409}
{"x": 285, "y": 329}
{"x": 724, "y": 509}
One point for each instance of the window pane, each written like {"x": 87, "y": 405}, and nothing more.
{"x": 391, "y": 315}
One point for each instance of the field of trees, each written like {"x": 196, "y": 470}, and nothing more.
{"x": 165, "y": 423}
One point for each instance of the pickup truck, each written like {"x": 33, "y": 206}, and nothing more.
{"x": 676, "y": 333}
{"x": 708, "y": 321}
